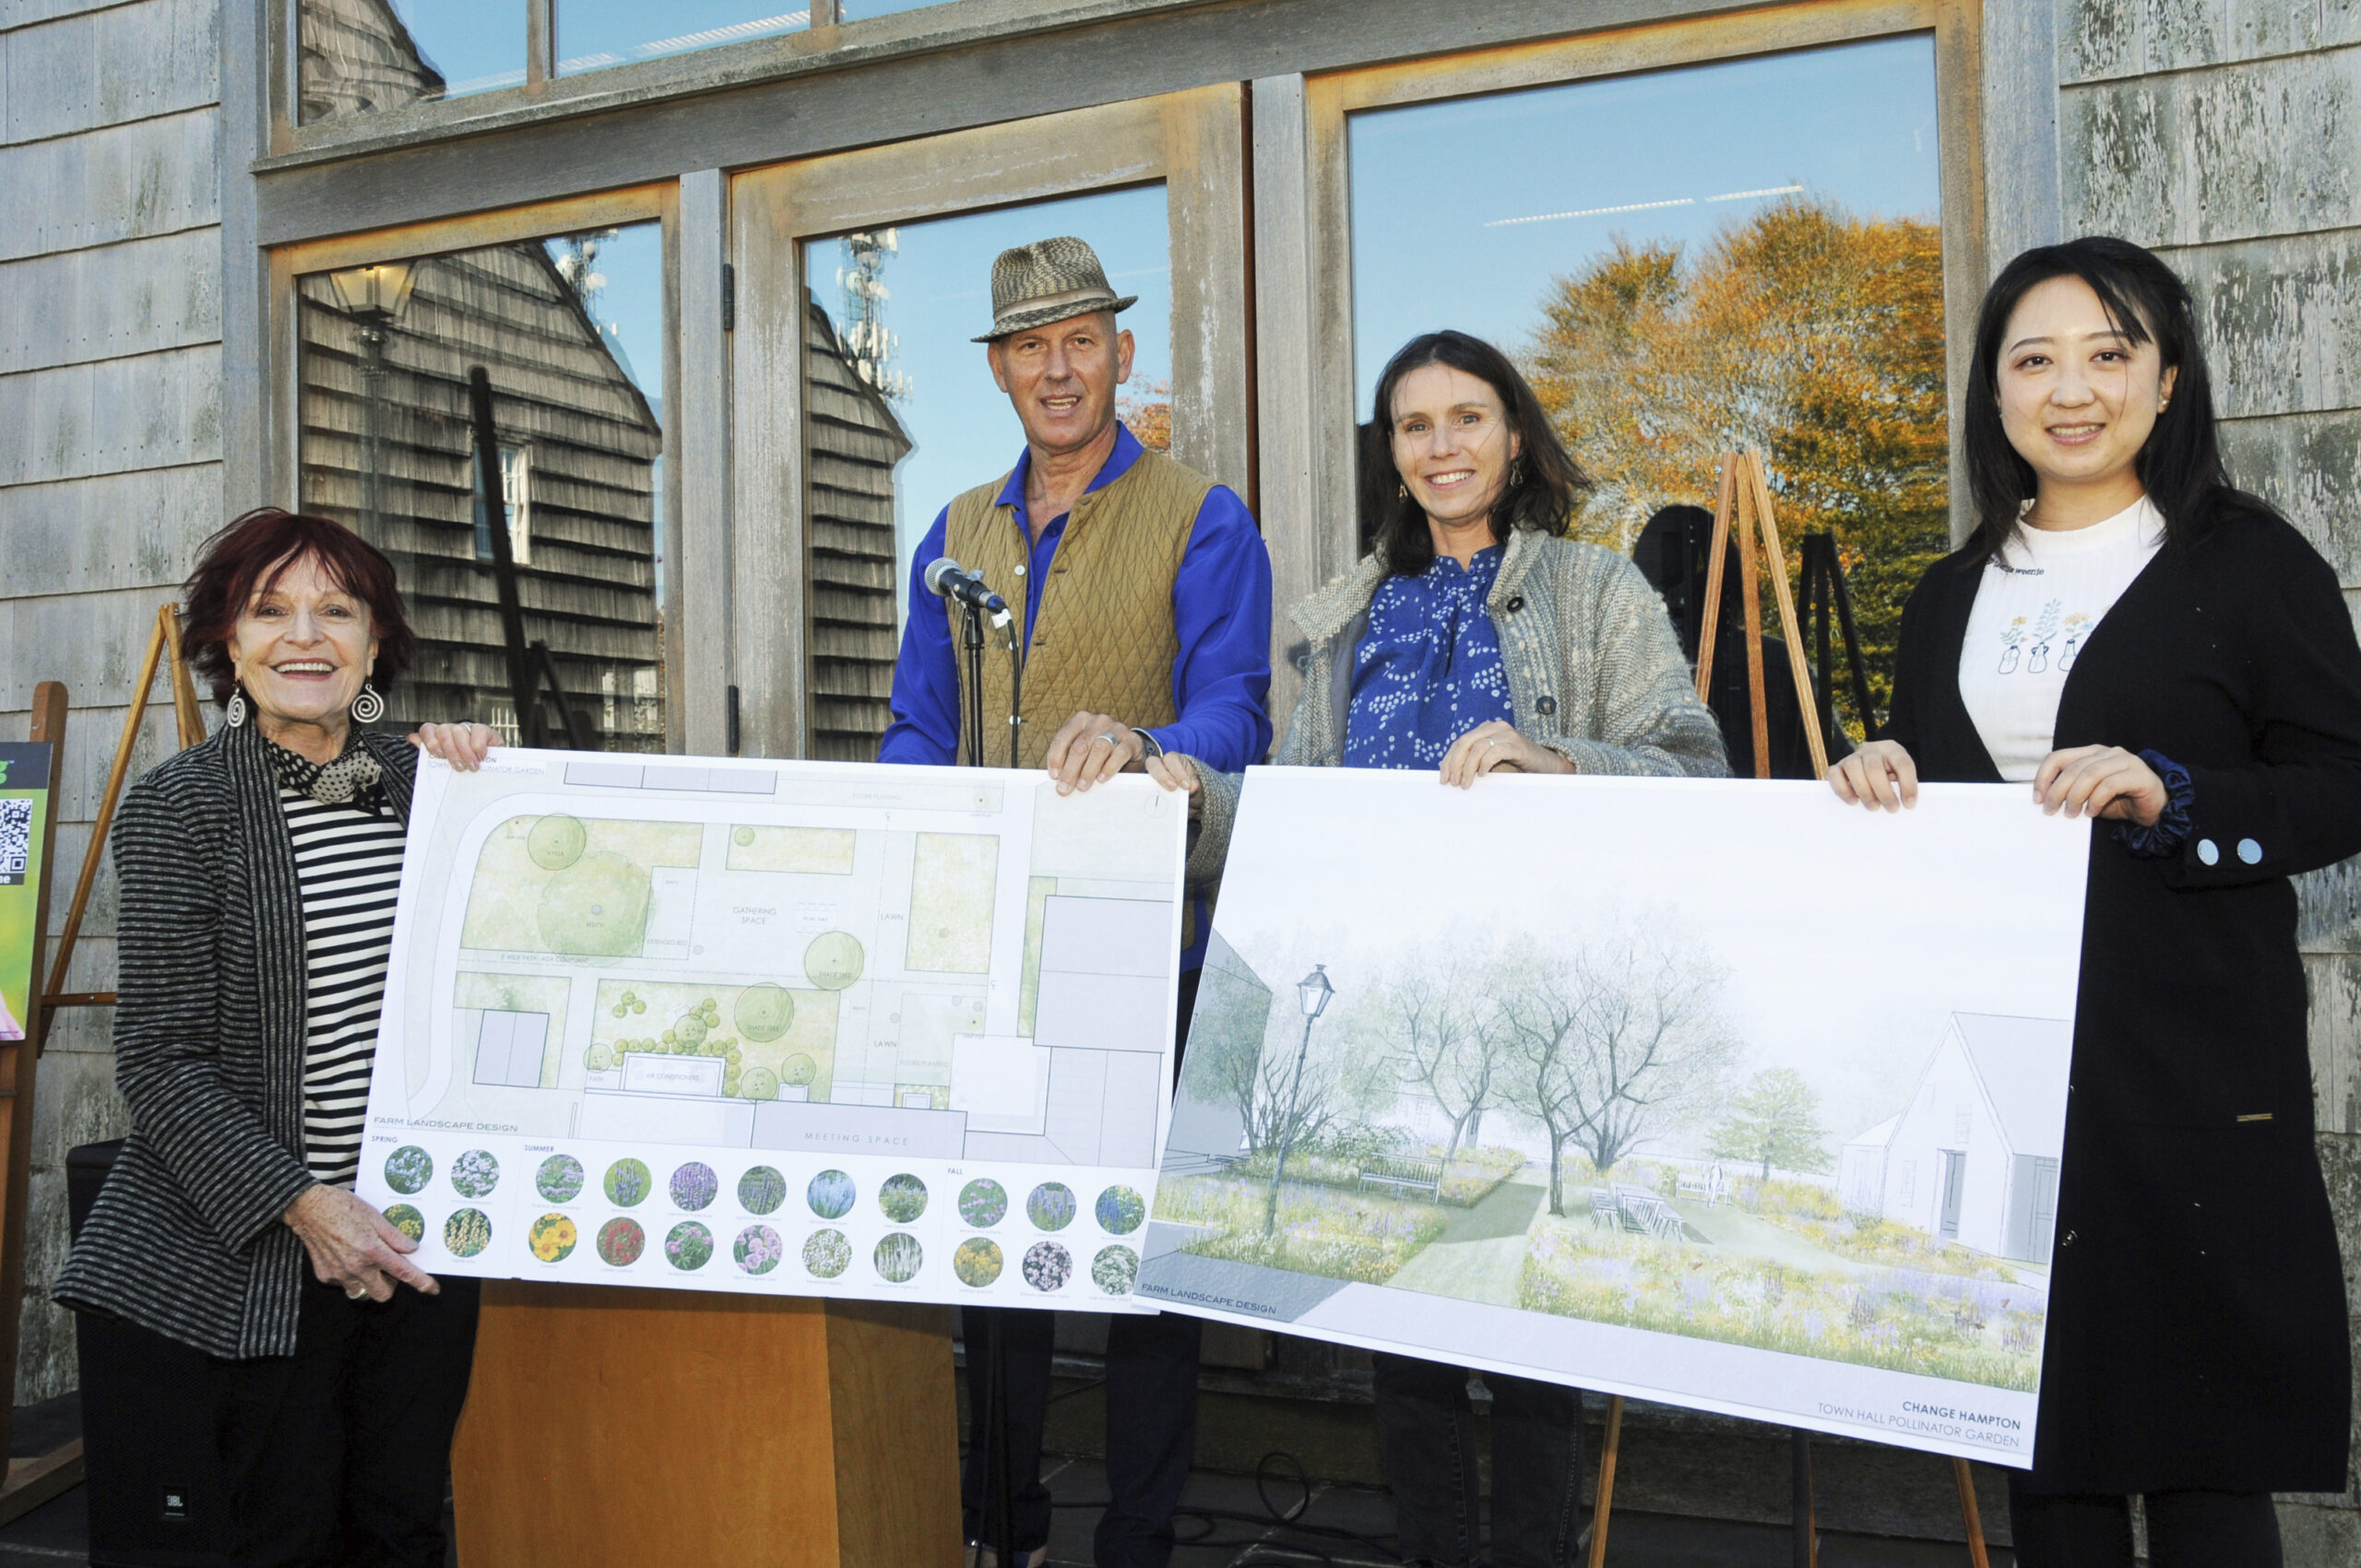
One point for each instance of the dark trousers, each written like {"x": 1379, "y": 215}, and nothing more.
{"x": 1428, "y": 1428}
{"x": 2186, "y": 1529}
{"x": 339, "y": 1455}
{"x": 1151, "y": 1430}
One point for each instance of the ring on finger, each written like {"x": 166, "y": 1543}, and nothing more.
{"x": 355, "y": 1293}
{"x": 1109, "y": 736}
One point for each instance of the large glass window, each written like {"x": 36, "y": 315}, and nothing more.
{"x": 560, "y": 498}
{"x": 903, "y": 414}
{"x": 358, "y": 56}
{"x": 1743, "y": 254}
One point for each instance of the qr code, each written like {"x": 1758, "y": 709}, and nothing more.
{"x": 16, "y": 841}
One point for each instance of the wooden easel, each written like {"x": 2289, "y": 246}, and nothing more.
{"x": 163, "y": 647}
{"x": 1743, "y": 499}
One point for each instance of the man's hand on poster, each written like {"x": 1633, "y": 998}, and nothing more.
{"x": 1175, "y": 771}
{"x": 1091, "y": 748}
{"x": 2100, "y": 781}
{"x": 1879, "y": 776}
{"x": 1497, "y": 745}
{"x": 464, "y": 746}
{"x": 353, "y": 1246}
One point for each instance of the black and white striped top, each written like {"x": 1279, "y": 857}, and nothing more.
{"x": 348, "y": 865}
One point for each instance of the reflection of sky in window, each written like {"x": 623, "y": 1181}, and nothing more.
{"x": 1439, "y": 189}
{"x": 592, "y": 34}
{"x": 628, "y": 305}
{"x": 475, "y": 44}
{"x": 938, "y": 296}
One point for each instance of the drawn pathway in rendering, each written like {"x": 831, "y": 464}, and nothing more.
{"x": 1733, "y": 1228}
{"x": 1481, "y": 1251}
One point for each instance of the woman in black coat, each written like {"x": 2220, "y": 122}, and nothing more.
{"x": 2205, "y": 703}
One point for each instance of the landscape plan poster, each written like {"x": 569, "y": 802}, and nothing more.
{"x": 1713, "y": 1092}
{"x": 785, "y": 1027}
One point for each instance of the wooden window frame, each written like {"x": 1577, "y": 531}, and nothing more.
{"x": 1191, "y": 142}
{"x": 1303, "y": 233}
{"x": 659, "y": 203}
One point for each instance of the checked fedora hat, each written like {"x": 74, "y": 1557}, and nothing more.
{"x": 1049, "y": 280}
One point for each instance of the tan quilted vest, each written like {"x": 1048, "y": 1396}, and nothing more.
{"x": 1104, "y": 640}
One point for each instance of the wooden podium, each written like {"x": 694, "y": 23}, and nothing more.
{"x": 612, "y": 1427}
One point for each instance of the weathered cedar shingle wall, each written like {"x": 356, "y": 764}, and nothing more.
{"x": 2228, "y": 134}
{"x": 855, "y": 442}
{"x": 110, "y": 472}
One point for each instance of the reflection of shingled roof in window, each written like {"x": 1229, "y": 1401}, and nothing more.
{"x": 854, "y": 440}
{"x": 589, "y": 590}
{"x": 358, "y": 57}
{"x": 2018, "y": 1059}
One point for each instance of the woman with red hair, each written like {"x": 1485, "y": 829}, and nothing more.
{"x": 258, "y": 872}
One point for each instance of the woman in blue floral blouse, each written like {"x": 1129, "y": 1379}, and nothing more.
{"x": 1475, "y": 637}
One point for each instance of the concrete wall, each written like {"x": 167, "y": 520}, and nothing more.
{"x": 110, "y": 469}
{"x": 2226, "y": 133}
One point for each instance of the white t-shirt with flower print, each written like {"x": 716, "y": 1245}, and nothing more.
{"x": 2034, "y": 610}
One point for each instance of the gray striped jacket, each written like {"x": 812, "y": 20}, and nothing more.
{"x": 208, "y": 1040}
{"x": 1595, "y": 673}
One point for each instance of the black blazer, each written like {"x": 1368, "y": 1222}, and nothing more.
{"x": 185, "y": 1238}
{"x": 2197, "y": 1330}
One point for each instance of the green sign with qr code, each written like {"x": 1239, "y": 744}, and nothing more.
{"x": 24, "y": 798}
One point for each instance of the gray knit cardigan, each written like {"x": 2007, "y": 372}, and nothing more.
{"x": 1595, "y": 673}
{"x": 209, "y": 1024}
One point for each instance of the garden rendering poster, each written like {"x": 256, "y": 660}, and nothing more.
{"x": 1717, "y": 1093}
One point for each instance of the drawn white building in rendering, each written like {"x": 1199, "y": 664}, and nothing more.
{"x": 1975, "y": 1158}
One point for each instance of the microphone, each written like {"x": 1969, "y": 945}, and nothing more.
{"x": 949, "y": 580}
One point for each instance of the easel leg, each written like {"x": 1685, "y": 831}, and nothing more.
{"x": 1800, "y": 1503}
{"x": 1969, "y": 1515}
{"x": 1599, "y": 1515}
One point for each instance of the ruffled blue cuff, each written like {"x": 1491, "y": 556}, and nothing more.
{"x": 2163, "y": 841}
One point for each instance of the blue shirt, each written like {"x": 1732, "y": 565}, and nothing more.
{"x": 1221, "y": 609}
{"x": 1429, "y": 668}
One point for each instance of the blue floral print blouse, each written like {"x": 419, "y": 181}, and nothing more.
{"x": 1429, "y": 668}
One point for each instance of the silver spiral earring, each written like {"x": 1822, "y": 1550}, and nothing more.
{"x": 368, "y": 707}
{"x": 235, "y": 713}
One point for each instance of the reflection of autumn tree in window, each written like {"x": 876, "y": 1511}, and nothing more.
{"x": 1146, "y": 408}
{"x": 1805, "y": 331}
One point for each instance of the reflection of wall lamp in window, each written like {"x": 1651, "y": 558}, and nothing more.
{"x": 373, "y": 297}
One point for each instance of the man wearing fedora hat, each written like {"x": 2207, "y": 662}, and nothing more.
{"x": 1146, "y": 596}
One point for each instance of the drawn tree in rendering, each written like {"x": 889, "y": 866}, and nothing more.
{"x": 1774, "y": 1121}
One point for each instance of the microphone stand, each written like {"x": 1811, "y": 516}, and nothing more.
{"x": 973, "y": 641}
{"x": 1015, "y": 687}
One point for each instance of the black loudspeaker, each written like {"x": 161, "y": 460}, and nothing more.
{"x": 154, "y": 1487}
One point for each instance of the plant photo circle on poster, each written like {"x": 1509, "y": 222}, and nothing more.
{"x": 826, "y": 1254}
{"x": 467, "y": 1233}
{"x": 693, "y": 1185}
{"x": 1115, "y": 1270}
{"x": 552, "y": 1238}
{"x": 407, "y": 1220}
{"x": 1048, "y": 1266}
{"x": 628, "y": 1180}
{"x": 475, "y": 1173}
{"x": 903, "y": 1197}
{"x": 621, "y": 1240}
{"x": 758, "y": 1249}
{"x": 408, "y": 1169}
{"x": 983, "y": 1203}
{"x": 761, "y": 1190}
{"x": 900, "y": 1257}
{"x": 978, "y": 1262}
{"x": 560, "y": 1178}
{"x": 1120, "y": 1211}
{"x": 830, "y": 1195}
{"x": 689, "y": 1246}
{"x": 1052, "y": 1207}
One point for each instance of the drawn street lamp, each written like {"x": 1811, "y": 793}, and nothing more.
{"x": 1315, "y": 990}
{"x": 373, "y": 296}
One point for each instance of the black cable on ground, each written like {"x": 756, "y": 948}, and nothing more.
{"x": 1261, "y": 1550}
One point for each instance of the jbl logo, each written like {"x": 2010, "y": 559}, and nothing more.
{"x": 176, "y": 1502}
